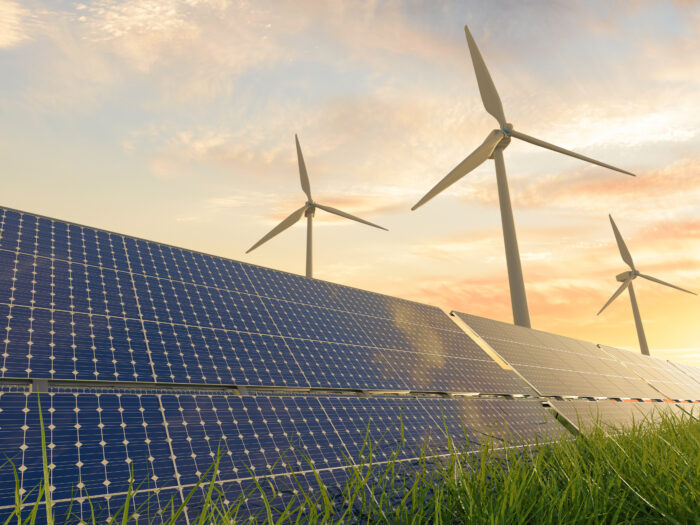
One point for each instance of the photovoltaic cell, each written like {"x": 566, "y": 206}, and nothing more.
{"x": 659, "y": 373}
{"x": 560, "y": 366}
{"x": 166, "y": 440}
{"x": 84, "y": 304}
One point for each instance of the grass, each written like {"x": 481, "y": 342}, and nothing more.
{"x": 647, "y": 474}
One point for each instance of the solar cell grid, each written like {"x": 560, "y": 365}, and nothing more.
{"x": 400, "y": 310}
{"x": 168, "y": 439}
{"x": 661, "y": 374}
{"x": 292, "y": 288}
{"x": 346, "y": 366}
{"x": 560, "y": 366}
{"x": 86, "y": 304}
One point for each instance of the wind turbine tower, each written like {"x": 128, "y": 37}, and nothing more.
{"x": 492, "y": 148}
{"x": 308, "y": 210}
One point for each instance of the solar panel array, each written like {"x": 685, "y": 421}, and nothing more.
{"x": 584, "y": 415}
{"x": 659, "y": 373}
{"x": 85, "y": 304}
{"x": 151, "y": 360}
{"x": 138, "y": 346}
{"x": 559, "y": 366}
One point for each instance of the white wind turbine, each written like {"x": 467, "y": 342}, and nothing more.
{"x": 626, "y": 279}
{"x": 492, "y": 148}
{"x": 307, "y": 209}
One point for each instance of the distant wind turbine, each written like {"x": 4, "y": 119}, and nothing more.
{"x": 626, "y": 279}
{"x": 492, "y": 148}
{"x": 307, "y": 209}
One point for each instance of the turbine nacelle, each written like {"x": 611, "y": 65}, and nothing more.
{"x": 504, "y": 140}
{"x": 624, "y": 276}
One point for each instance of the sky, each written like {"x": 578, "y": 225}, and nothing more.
{"x": 174, "y": 120}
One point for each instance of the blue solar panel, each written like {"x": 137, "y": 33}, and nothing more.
{"x": 97, "y": 439}
{"x": 89, "y": 305}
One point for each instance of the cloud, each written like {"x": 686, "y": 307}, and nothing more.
{"x": 177, "y": 51}
{"x": 678, "y": 182}
{"x": 139, "y": 31}
{"x": 14, "y": 22}
{"x": 185, "y": 152}
{"x": 196, "y": 48}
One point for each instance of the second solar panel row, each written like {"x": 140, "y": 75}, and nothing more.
{"x": 97, "y": 441}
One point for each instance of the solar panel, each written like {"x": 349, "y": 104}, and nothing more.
{"x": 659, "y": 373}
{"x": 89, "y": 305}
{"x": 98, "y": 439}
{"x": 559, "y": 366}
{"x": 584, "y": 414}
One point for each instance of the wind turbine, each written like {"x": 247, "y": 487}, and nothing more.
{"x": 626, "y": 279}
{"x": 492, "y": 148}
{"x": 308, "y": 210}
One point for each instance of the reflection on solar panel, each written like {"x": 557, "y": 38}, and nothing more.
{"x": 168, "y": 439}
{"x": 584, "y": 415}
{"x": 90, "y": 305}
{"x": 662, "y": 375}
{"x": 559, "y": 366}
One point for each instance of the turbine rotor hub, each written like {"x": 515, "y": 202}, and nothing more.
{"x": 622, "y": 277}
{"x": 505, "y": 139}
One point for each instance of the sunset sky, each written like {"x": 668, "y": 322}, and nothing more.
{"x": 174, "y": 120}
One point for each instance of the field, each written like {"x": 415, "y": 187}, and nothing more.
{"x": 646, "y": 474}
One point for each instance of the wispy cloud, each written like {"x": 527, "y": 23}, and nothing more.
{"x": 14, "y": 24}
{"x": 679, "y": 180}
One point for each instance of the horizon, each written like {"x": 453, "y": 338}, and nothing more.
{"x": 170, "y": 120}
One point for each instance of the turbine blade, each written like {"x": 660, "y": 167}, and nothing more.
{"x": 650, "y": 278}
{"x": 302, "y": 171}
{"x": 621, "y": 289}
{"x": 624, "y": 252}
{"x": 543, "y": 144}
{"x": 286, "y": 223}
{"x": 475, "y": 159}
{"x": 489, "y": 95}
{"x": 348, "y": 216}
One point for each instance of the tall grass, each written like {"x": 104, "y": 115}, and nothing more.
{"x": 646, "y": 474}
